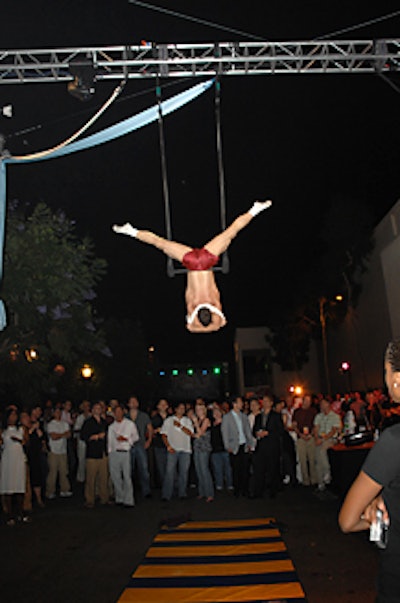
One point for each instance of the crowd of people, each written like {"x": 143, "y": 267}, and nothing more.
{"x": 247, "y": 445}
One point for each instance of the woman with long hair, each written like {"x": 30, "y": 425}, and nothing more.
{"x": 201, "y": 452}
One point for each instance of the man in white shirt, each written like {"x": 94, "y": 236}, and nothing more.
{"x": 58, "y": 432}
{"x": 176, "y": 434}
{"x": 122, "y": 434}
{"x": 80, "y": 444}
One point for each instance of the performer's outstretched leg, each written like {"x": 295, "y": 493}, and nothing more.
{"x": 221, "y": 242}
{"x": 174, "y": 250}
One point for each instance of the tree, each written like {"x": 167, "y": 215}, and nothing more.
{"x": 49, "y": 284}
{"x": 342, "y": 248}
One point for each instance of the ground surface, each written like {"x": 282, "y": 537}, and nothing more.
{"x": 72, "y": 555}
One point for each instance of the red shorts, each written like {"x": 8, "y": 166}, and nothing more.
{"x": 199, "y": 259}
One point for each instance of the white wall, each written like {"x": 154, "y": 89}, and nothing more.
{"x": 363, "y": 337}
{"x": 256, "y": 338}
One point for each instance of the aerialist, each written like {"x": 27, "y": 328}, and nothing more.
{"x": 203, "y": 303}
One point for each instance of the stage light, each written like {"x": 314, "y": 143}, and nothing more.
{"x": 345, "y": 366}
{"x": 7, "y": 111}
{"x": 84, "y": 74}
{"x": 175, "y": 372}
{"x": 216, "y": 370}
{"x": 339, "y": 298}
{"x": 190, "y": 371}
{"x": 162, "y": 373}
{"x": 204, "y": 372}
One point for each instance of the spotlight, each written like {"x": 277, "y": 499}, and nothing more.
{"x": 84, "y": 74}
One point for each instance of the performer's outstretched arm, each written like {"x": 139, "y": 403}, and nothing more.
{"x": 221, "y": 242}
{"x": 174, "y": 250}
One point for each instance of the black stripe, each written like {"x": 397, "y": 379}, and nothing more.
{"x": 261, "y": 526}
{"x": 248, "y": 558}
{"x": 280, "y": 600}
{"x": 213, "y": 581}
{"x": 183, "y": 543}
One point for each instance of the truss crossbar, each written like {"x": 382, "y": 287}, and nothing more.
{"x": 180, "y": 60}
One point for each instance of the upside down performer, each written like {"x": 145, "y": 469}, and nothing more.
{"x": 203, "y": 302}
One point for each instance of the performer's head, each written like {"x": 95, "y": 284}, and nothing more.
{"x": 205, "y": 316}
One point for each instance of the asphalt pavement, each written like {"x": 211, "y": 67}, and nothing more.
{"x": 69, "y": 554}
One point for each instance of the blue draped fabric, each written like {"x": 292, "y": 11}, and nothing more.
{"x": 120, "y": 129}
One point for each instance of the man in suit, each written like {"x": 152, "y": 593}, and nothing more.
{"x": 238, "y": 441}
{"x": 268, "y": 431}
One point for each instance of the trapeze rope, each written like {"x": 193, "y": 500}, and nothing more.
{"x": 164, "y": 175}
{"x": 171, "y": 271}
{"x": 221, "y": 174}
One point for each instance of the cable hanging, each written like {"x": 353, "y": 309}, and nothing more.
{"x": 81, "y": 130}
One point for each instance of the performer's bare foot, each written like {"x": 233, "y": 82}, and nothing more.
{"x": 259, "y": 206}
{"x": 126, "y": 229}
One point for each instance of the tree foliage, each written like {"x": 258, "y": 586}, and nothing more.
{"x": 49, "y": 284}
{"x": 342, "y": 249}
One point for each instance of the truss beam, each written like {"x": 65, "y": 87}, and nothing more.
{"x": 180, "y": 60}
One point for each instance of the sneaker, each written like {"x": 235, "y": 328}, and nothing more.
{"x": 66, "y": 494}
{"x": 50, "y": 496}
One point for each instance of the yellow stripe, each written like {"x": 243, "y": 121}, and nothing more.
{"x": 223, "y": 549}
{"x": 235, "y": 523}
{"x": 290, "y": 590}
{"x": 200, "y": 536}
{"x": 217, "y": 569}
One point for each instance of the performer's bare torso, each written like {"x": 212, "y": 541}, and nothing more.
{"x": 201, "y": 289}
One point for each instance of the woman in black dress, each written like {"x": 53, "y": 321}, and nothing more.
{"x": 35, "y": 450}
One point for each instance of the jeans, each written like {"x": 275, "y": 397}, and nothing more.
{"x": 139, "y": 456}
{"x": 181, "y": 461}
{"x": 160, "y": 456}
{"x": 202, "y": 465}
{"x": 221, "y": 467}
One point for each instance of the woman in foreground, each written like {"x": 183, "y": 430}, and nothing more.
{"x": 377, "y": 487}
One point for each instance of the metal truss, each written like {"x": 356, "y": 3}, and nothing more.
{"x": 180, "y": 60}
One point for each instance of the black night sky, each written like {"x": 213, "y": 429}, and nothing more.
{"x": 297, "y": 139}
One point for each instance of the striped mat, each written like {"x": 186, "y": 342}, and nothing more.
{"x": 211, "y": 561}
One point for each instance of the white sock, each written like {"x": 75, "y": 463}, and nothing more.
{"x": 126, "y": 229}
{"x": 259, "y": 206}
